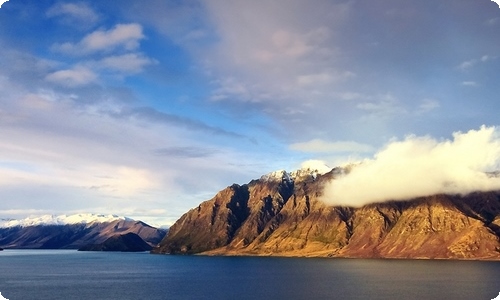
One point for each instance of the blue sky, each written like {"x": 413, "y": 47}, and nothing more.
{"x": 145, "y": 109}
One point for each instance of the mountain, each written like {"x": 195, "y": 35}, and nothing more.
{"x": 72, "y": 232}
{"x": 61, "y": 220}
{"x": 128, "y": 242}
{"x": 281, "y": 214}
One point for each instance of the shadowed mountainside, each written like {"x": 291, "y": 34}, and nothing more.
{"x": 284, "y": 216}
{"x": 74, "y": 236}
{"x": 128, "y": 242}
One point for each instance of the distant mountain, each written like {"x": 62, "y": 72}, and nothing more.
{"x": 72, "y": 232}
{"x": 128, "y": 242}
{"x": 281, "y": 214}
{"x": 61, "y": 220}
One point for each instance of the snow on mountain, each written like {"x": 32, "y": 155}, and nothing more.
{"x": 309, "y": 169}
{"x": 275, "y": 176}
{"x": 60, "y": 220}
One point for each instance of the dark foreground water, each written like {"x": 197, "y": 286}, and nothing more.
{"x": 64, "y": 274}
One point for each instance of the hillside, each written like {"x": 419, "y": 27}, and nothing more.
{"x": 282, "y": 215}
{"x": 71, "y": 233}
{"x": 128, "y": 242}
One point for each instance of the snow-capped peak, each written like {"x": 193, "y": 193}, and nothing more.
{"x": 276, "y": 176}
{"x": 317, "y": 167}
{"x": 60, "y": 220}
{"x": 307, "y": 171}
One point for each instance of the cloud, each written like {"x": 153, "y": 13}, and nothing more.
{"x": 1, "y": 297}
{"x": 491, "y": 22}
{"x": 78, "y": 11}
{"x": 323, "y": 78}
{"x": 74, "y": 77}
{"x": 314, "y": 164}
{"x": 321, "y": 146}
{"x": 126, "y": 36}
{"x": 153, "y": 115}
{"x": 469, "y": 83}
{"x": 185, "y": 152}
{"x": 427, "y": 105}
{"x": 466, "y": 65}
{"x": 422, "y": 166}
{"x": 66, "y": 153}
{"x": 278, "y": 53}
{"x": 387, "y": 105}
{"x": 127, "y": 63}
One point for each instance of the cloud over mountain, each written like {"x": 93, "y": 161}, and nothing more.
{"x": 421, "y": 166}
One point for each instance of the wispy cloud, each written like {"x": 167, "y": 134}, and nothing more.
{"x": 74, "y": 77}
{"x": 468, "y": 64}
{"x": 176, "y": 88}
{"x": 130, "y": 63}
{"x": 184, "y": 151}
{"x": 126, "y": 36}
{"x": 321, "y": 146}
{"x": 470, "y": 83}
{"x": 384, "y": 107}
{"x": 275, "y": 52}
{"x": 153, "y": 115}
{"x": 427, "y": 105}
{"x": 79, "y": 11}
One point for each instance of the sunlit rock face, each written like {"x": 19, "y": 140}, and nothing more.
{"x": 283, "y": 215}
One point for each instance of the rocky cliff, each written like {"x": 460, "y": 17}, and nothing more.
{"x": 282, "y": 215}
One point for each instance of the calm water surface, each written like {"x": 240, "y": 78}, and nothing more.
{"x": 66, "y": 274}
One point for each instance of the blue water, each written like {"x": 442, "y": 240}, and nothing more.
{"x": 66, "y": 274}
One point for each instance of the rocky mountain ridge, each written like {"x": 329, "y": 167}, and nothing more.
{"x": 284, "y": 216}
{"x": 76, "y": 234}
{"x": 85, "y": 218}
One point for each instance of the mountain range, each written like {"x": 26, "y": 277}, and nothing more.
{"x": 282, "y": 214}
{"x": 73, "y": 231}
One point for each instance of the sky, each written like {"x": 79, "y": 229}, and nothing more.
{"x": 147, "y": 108}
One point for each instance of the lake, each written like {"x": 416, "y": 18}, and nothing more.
{"x": 69, "y": 274}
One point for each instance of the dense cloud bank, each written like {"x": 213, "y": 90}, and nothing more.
{"x": 421, "y": 166}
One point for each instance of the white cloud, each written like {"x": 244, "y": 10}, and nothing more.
{"x": 229, "y": 87}
{"x": 1, "y": 297}
{"x": 466, "y": 65}
{"x": 59, "y": 154}
{"x": 76, "y": 76}
{"x": 427, "y": 105}
{"x": 387, "y": 105}
{"x": 126, "y": 36}
{"x": 276, "y": 49}
{"x": 321, "y": 146}
{"x": 323, "y": 78}
{"x": 315, "y": 164}
{"x": 2, "y": 2}
{"x": 80, "y": 11}
{"x": 421, "y": 166}
{"x": 127, "y": 63}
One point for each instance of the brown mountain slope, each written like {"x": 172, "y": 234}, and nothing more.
{"x": 286, "y": 218}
